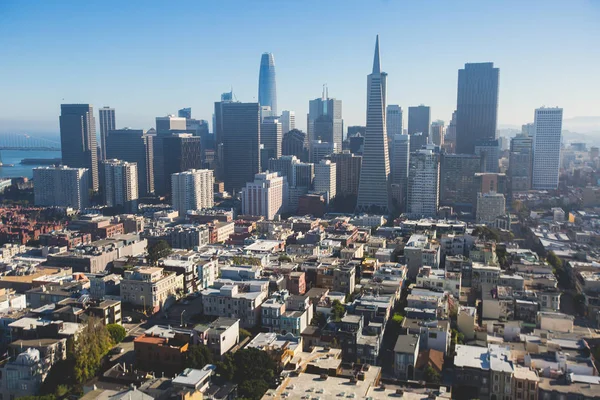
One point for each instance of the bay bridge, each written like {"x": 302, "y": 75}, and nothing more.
{"x": 23, "y": 141}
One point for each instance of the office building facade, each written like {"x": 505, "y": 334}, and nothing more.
{"x": 546, "y": 148}
{"x": 271, "y": 138}
{"x": 457, "y": 174}
{"x": 107, "y": 123}
{"x": 489, "y": 152}
{"x": 437, "y": 133}
{"x": 476, "y": 105}
{"x": 134, "y": 145}
{"x": 400, "y": 163}
{"x": 419, "y": 121}
{"x": 393, "y": 120}
{"x": 78, "y": 139}
{"x": 325, "y": 179}
{"x": 267, "y": 86}
{"x": 325, "y": 120}
{"x": 288, "y": 121}
{"x": 182, "y": 153}
{"x": 265, "y": 196}
{"x": 295, "y": 143}
{"x": 165, "y": 127}
{"x": 347, "y": 168}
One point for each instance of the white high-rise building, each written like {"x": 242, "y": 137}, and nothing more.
{"x": 393, "y": 120}
{"x": 373, "y": 188}
{"x": 288, "y": 121}
{"x": 490, "y": 206}
{"x": 192, "y": 190}
{"x": 546, "y": 147}
{"x": 319, "y": 150}
{"x": 423, "y": 183}
{"x": 267, "y": 196}
{"x": 325, "y": 179}
{"x": 121, "y": 184}
{"x": 400, "y": 163}
{"x": 61, "y": 186}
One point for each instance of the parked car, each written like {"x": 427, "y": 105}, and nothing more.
{"x": 117, "y": 350}
{"x": 127, "y": 319}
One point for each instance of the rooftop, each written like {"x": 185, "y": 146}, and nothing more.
{"x": 471, "y": 357}
{"x": 406, "y": 344}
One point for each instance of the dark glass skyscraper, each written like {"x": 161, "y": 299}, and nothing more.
{"x": 78, "y": 139}
{"x": 182, "y": 153}
{"x": 419, "y": 120}
{"x": 107, "y": 124}
{"x": 325, "y": 120}
{"x": 267, "y": 88}
{"x": 476, "y": 105}
{"x": 133, "y": 145}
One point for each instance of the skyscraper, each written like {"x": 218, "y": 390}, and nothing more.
{"x": 78, "y": 139}
{"x": 192, "y": 190}
{"x": 165, "y": 126}
{"x": 295, "y": 143}
{"x": 520, "y": 160}
{"x": 399, "y": 165}
{"x": 476, "y": 105}
{"x": 423, "y": 184}
{"x": 347, "y": 168}
{"x": 185, "y": 113}
{"x": 267, "y": 87}
{"x": 182, "y": 152}
{"x": 271, "y": 137}
{"x": 393, "y": 120}
{"x": 266, "y": 195}
{"x": 134, "y": 145}
{"x": 320, "y": 150}
{"x": 325, "y": 179}
{"x": 325, "y": 120}
{"x": 437, "y": 133}
{"x": 419, "y": 120}
{"x": 288, "y": 121}
{"x": 107, "y": 124}
{"x": 121, "y": 185}
{"x": 450, "y": 137}
{"x": 457, "y": 174}
{"x": 546, "y": 147}
{"x": 61, "y": 186}
{"x": 489, "y": 152}
{"x": 373, "y": 189}
{"x": 240, "y": 130}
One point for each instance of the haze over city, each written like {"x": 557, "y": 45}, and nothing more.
{"x": 149, "y": 59}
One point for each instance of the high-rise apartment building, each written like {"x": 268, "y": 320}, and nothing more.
{"x": 419, "y": 121}
{"x": 437, "y": 132}
{"x": 135, "y": 146}
{"x": 393, "y": 120}
{"x": 546, "y": 148}
{"x": 325, "y": 120}
{"x": 265, "y": 196}
{"x": 240, "y": 130}
{"x": 78, "y": 139}
{"x": 61, "y": 186}
{"x": 192, "y": 190}
{"x": 373, "y": 189}
{"x": 182, "y": 153}
{"x": 325, "y": 179}
{"x": 267, "y": 86}
{"x": 347, "y": 168}
{"x": 489, "y": 207}
{"x": 400, "y": 164}
{"x": 288, "y": 121}
{"x": 121, "y": 185}
{"x": 476, "y": 105}
{"x": 489, "y": 151}
{"x": 271, "y": 137}
{"x": 423, "y": 184}
{"x": 107, "y": 123}
{"x": 457, "y": 174}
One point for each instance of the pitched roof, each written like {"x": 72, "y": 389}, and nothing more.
{"x": 432, "y": 357}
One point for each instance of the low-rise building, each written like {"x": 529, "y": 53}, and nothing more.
{"x": 241, "y": 301}
{"x": 219, "y": 336}
{"x": 160, "y": 354}
{"x": 149, "y": 287}
{"x": 406, "y": 351}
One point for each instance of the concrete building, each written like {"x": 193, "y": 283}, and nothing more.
{"x": 192, "y": 190}
{"x": 489, "y": 206}
{"x": 489, "y": 151}
{"x": 149, "y": 287}
{"x": 219, "y": 336}
{"x": 399, "y": 162}
{"x": 107, "y": 123}
{"x": 374, "y": 185}
{"x": 121, "y": 185}
{"x": 325, "y": 179}
{"x": 61, "y": 186}
{"x": 393, "y": 120}
{"x": 288, "y": 121}
{"x": 188, "y": 236}
{"x": 319, "y": 150}
{"x": 78, "y": 139}
{"x": 266, "y": 195}
{"x": 325, "y": 120}
{"x": 457, "y": 173}
{"x": 347, "y": 169}
{"x": 135, "y": 146}
{"x": 546, "y": 148}
{"x": 423, "y": 184}
{"x": 476, "y": 105}
{"x": 240, "y": 301}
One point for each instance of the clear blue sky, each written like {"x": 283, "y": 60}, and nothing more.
{"x": 149, "y": 58}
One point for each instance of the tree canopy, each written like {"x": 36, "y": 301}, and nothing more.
{"x": 92, "y": 344}
{"x": 117, "y": 332}
{"x": 431, "y": 375}
{"x": 157, "y": 251}
{"x": 337, "y": 310}
{"x": 198, "y": 356}
{"x": 252, "y": 369}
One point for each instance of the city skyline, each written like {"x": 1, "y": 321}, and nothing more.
{"x": 38, "y": 89}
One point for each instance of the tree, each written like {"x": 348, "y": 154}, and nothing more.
{"x": 285, "y": 258}
{"x": 337, "y": 310}
{"x": 485, "y": 233}
{"x": 116, "y": 332}
{"x": 244, "y": 334}
{"x": 319, "y": 319}
{"x": 157, "y": 251}
{"x": 93, "y": 343}
{"x": 253, "y": 389}
{"x": 253, "y": 364}
{"x": 431, "y": 375}
{"x": 198, "y": 356}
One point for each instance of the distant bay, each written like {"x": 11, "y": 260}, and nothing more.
{"x": 15, "y": 157}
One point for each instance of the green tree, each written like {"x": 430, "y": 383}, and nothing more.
{"x": 431, "y": 375}
{"x": 284, "y": 258}
{"x": 157, "y": 251}
{"x": 253, "y": 364}
{"x": 226, "y": 368}
{"x": 319, "y": 320}
{"x": 337, "y": 310}
{"x": 93, "y": 343}
{"x": 244, "y": 334}
{"x": 198, "y": 356}
{"x": 485, "y": 233}
{"x": 253, "y": 389}
{"x": 116, "y": 332}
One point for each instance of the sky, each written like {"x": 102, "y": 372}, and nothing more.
{"x": 150, "y": 58}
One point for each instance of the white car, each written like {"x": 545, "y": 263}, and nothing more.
{"x": 127, "y": 319}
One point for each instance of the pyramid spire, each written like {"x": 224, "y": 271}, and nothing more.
{"x": 376, "y": 63}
